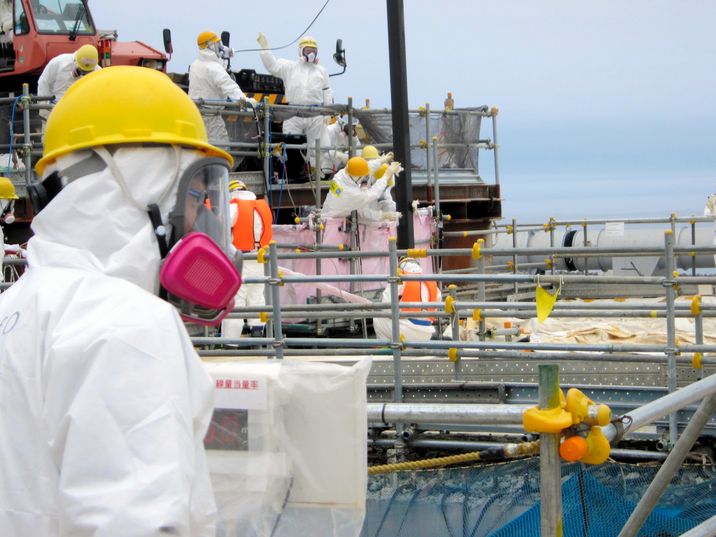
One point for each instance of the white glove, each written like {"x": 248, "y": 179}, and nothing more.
{"x": 391, "y": 216}
{"x": 341, "y": 157}
{"x": 387, "y": 158}
{"x": 391, "y": 173}
{"x": 243, "y": 101}
{"x": 262, "y": 41}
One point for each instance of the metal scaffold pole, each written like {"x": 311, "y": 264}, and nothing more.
{"x": 549, "y": 465}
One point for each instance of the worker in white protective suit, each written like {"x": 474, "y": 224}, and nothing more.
{"x": 7, "y": 216}
{"x": 306, "y": 83}
{"x": 336, "y": 135}
{"x": 64, "y": 70}
{"x": 105, "y": 401}
{"x": 209, "y": 80}
{"x": 6, "y": 22}
{"x": 710, "y": 207}
{"x": 378, "y": 165}
{"x": 351, "y": 190}
{"x": 411, "y": 328}
{"x": 251, "y": 222}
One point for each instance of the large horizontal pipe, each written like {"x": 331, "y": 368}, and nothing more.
{"x": 451, "y": 414}
{"x": 532, "y": 246}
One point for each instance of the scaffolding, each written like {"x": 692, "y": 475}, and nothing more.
{"x": 452, "y": 374}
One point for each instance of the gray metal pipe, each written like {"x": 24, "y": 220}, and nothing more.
{"x": 673, "y": 462}
{"x": 705, "y": 529}
{"x": 450, "y": 414}
{"x": 664, "y": 406}
{"x": 549, "y": 463}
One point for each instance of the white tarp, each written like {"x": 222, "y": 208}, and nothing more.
{"x": 287, "y": 448}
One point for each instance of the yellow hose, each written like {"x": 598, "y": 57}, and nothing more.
{"x": 511, "y": 451}
{"x": 425, "y": 463}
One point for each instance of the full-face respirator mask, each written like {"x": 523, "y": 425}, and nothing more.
{"x": 200, "y": 272}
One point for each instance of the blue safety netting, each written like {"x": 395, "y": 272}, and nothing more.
{"x": 503, "y": 500}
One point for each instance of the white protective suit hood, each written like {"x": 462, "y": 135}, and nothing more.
{"x": 117, "y": 238}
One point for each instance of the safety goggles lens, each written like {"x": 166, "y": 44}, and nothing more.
{"x": 202, "y": 202}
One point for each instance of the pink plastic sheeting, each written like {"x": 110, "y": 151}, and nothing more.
{"x": 372, "y": 237}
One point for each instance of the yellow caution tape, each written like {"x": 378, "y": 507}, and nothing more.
{"x": 545, "y": 302}
{"x": 452, "y": 354}
{"x": 548, "y": 263}
{"x": 510, "y": 266}
{"x": 263, "y": 316}
{"x": 423, "y": 143}
{"x": 619, "y": 299}
{"x": 696, "y": 360}
{"x": 297, "y": 250}
{"x": 297, "y": 220}
{"x": 696, "y": 305}
{"x": 508, "y": 229}
{"x": 261, "y": 255}
{"x": 464, "y": 233}
{"x": 341, "y": 246}
{"x": 417, "y": 252}
{"x": 447, "y": 217}
{"x": 652, "y": 314}
{"x": 280, "y": 277}
{"x": 477, "y": 314}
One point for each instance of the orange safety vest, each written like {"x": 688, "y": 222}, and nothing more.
{"x": 243, "y": 230}
{"x": 412, "y": 293}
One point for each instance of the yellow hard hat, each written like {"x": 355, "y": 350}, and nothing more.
{"x": 124, "y": 105}
{"x": 204, "y": 39}
{"x": 307, "y": 41}
{"x": 409, "y": 265}
{"x": 86, "y": 58}
{"x": 369, "y": 152}
{"x": 357, "y": 167}
{"x": 235, "y": 185}
{"x": 7, "y": 189}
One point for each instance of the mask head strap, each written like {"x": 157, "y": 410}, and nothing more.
{"x": 160, "y": 230}
{"x": 41, "y": 194}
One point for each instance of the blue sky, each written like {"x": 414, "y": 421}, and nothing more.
{"x": 606, "y": 108}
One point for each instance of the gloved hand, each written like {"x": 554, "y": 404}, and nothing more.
{"x": 262, "y": 41}
{"x": 391, "y": 216}
{"x": 392, "y": 172}
{"x": 387, "y": 158}
{"x": 245, "y": 100}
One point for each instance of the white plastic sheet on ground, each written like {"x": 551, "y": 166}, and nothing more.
{"x": 287, "y": 448}
{"x": 621, "y": 330}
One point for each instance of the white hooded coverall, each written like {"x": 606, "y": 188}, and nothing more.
{"x": 305, "y": 84}
{"x": 57, "y": 77}
{"x": 346, "y": 196}
{"x": 209, "y": 80}
{"x": 334, "y": 136}
{"x": 104, "y": 401}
